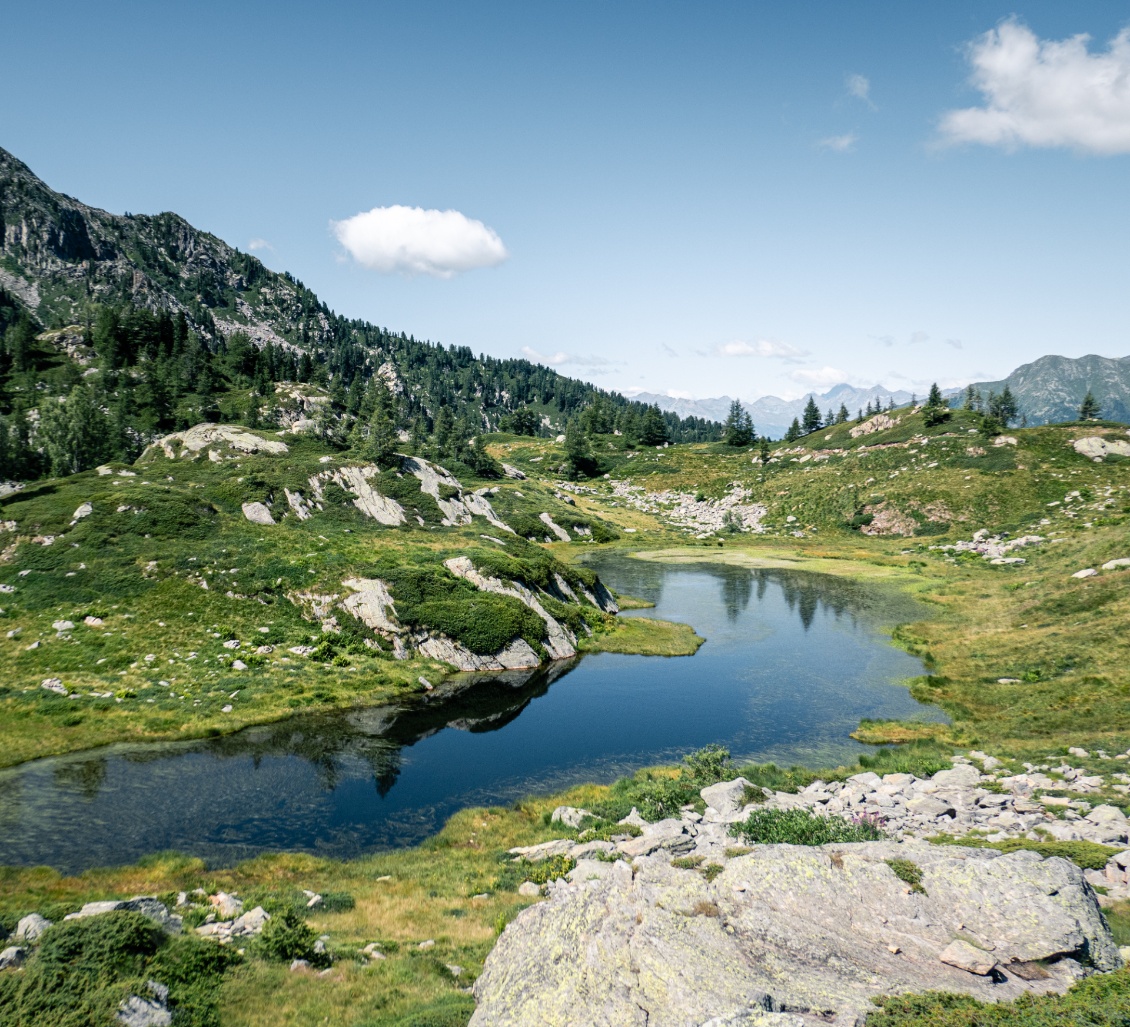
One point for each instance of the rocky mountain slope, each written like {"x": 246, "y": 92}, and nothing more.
{"x": 1052, "y": 388}
{"x": 60, "y": 258}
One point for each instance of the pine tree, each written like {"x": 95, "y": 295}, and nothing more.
{"x": 738, "y": 428}
{"x": 764, "y": 452}
{"x": 811, "y": 417}
{"x": 578, "y": 455}
{"x": 970, "y": 398}
{"x": 937, "y": 409}
{"x": 842, "y": 416}
{"x": 1003, "y": 407}
{"x": 794, "y": 431}
{"x": 653, "y": 428}
{"x": 1090, "y": 409}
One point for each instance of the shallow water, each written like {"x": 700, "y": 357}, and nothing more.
{"x": 791, "y": 663}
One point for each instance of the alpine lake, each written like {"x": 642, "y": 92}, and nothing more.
{"x": 792, "y": 661}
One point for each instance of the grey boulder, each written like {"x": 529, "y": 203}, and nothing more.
{"x": 31, "y": 928}
{"x": 814, "y": 932}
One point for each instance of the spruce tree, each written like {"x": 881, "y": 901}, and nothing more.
{"x": 1090, "y": 409}
{"x": 794, "y": 431}
{"x": 842, "y": 416}
{"x": 738, "y": 428}
{"x": 811, "y": 417}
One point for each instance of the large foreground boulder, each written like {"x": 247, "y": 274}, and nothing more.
{"x": 811, "y": 932}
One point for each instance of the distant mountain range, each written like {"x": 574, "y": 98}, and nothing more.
{"x": 772, "y": 415}
{"x": 1047, "y": 391}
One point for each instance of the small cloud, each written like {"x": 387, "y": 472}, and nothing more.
{"x": 839, "y": 144}
{"x": 884, "y": 340}
{"x": 917, "y": 337}
{"x": 761, "y": 348}
{"x": 955, "y": 343}
{"x": 260, "y": 244}
{"x": 859, "y": 86}
{"x": 414, "y": 241}
{"x": 560, "y": 358}
{"x": 1045, "y": 93}
{"x": 819, "y": 377}
{"x": 671, "y": 352}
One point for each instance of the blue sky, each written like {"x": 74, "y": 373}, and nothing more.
{"x": 698, "y": 198}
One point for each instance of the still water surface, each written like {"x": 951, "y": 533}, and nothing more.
{"x": 791, "y": 663}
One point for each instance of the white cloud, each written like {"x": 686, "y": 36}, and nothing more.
{"x": 259, "y": 244}
{"x": 560, "y": 358}
{"x": 761, "y": 348}
{"x": 414, "y": 241}
{"x": 1046, "y": 93}
{"x": 839, "y": 144}
{"x": 917, "y": 337}
{"x": 819, "y": 378}
{"x": 955, "y": 343}
{"x": 859, "y": 86}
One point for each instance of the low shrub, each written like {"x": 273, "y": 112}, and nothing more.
{"x": 1099, "y": 1001}
{"x": 909, "y": 873}
{"x": 1085, "y": 855}
{"x": 338, "y": 902}
{"x": 799, "y": 827}
{"x": 286, "y": 936}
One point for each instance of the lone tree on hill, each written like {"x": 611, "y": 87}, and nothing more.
{"x": 578, "y": 455}
{"x": 738, "y": 429}
{"x": 764, "y": 451}
{"x": 811, "y": 417}
{"x": 1090, "y": 410}
{"x": 937, "y": 409}
{"x": 1003, "y": 407}
{"x": 842, "y": 416}
{"x": 794, "y": 431}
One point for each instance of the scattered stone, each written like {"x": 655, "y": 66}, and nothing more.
{"x": 299, "y": 965}
{"x": 1081, "y": 753}
{"x": 1087, "y": 572}
{"x": 727, "y": 796}
{"x": 12, "y": 957}
{"x": 232, "y": 643}
{"x": 227, "y": 906}
{"x": 31, "y": 928}
{"x": 527, "y": 889}
{"x": 136, "y": 1011}
{"x": 250, "y": 923}
{"x": 429, "y": 944}
{"x": 238, "y": 665}
{"x": 1113, "y": 565}
{"x": 570, "y": 816}
{"x": 147, "y": 905}
{"x": 54, "y": 685}
{"x": 1096, "y": 448}
{"x": 63, "y": 625}
{"x": 258, "y": 513}
{"x": 967, "y": 957}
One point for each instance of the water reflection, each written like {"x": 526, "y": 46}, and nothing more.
{"x": 792, "y": 663}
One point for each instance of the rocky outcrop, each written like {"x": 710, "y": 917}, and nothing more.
{"x": 355, "y": 481}
{"x": 1096, "y": 447}
{"x": 372, "y": 604}
{"x": 456, "y": 506}
{"x": 815, "y": 932}
{"x": 880, "y": 422}
{"x": 556, "y": 528}
{"x": 560, "y": 642}
{"x": 518, "y": 655}
{"x": 220, "y": 440}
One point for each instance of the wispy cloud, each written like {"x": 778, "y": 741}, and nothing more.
{"x": 819, "y": 377}
{"x": 560, "y": 359}
{"x": 669, "y": 350}
{"x": 859, "y": 86}
{"x": 1045, "y": 93}
{"x": 762, "y": 348}
{"x": 414, "y": 241}
{"x": 839, "y": 144}
{"x": 955, "y": 343}
{"x": 260, "y": 244}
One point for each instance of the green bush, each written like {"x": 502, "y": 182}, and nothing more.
{"x": 338, "y": 902}
{"x": 540, "y": 872}
{"x": 710, "y": 763}
{"x": 83, "y": 969}
{"x": 799, "y": 827}
{"x": 1085, "y": 855}
{"x": 1099, "y": 1001}
{"x": 286, "y": 936}
{"x": 908, "y": 872}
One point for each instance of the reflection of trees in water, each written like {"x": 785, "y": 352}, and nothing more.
{"x": 807, "y": 593}
{"x": 737, "y": 590}
{"x": 85, "y": 776}
{"x": 375, "y": 736}
{"x": 640, "y": 578}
